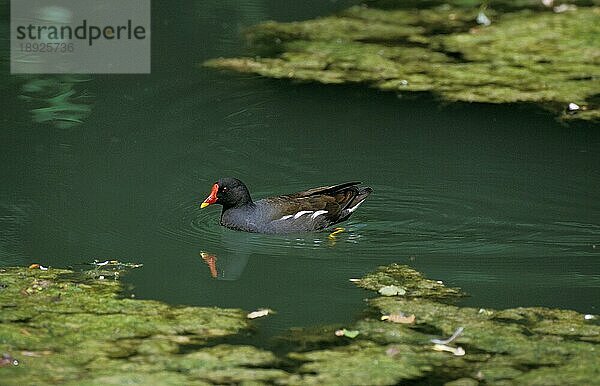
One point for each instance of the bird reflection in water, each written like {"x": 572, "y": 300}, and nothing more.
{"x": 231, "y": 260}
{"x": 225, "y": 267}
{"x": 211, "y": 261}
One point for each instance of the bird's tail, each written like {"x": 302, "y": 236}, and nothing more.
{"x": 355, "y": 202}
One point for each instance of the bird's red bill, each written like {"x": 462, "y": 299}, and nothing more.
{"x": 212, "y": 197}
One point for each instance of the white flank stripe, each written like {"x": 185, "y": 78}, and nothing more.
{"x": 318, "y": 213}
{"x": 286, "y": 217}
{"x": 301, "y": 213}
{"x": 356, "y": 206}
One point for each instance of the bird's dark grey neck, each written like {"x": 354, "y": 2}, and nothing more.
{"x": 245, "y": 201}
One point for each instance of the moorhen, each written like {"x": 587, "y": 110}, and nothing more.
{"x": 311, "y": 210}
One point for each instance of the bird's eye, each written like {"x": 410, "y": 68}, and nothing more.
{"x": 225, "y": 188}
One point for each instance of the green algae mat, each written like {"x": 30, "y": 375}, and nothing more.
{"x": 63, "y": 327}
{"x": 520, "y": 52}
{"x": 73, "y": 328}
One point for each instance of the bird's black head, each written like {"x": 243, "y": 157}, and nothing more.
{"x": 229, "y": 192}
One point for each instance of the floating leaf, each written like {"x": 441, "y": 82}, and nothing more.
{"x": 458, "y": 351}
{"x": 392, "y": 290}
{"x": 347, "y": 333}
{"x": 483, "y": 19}
{"x": 399, "y": 318}
{"x": 38, "y": 266}
{"x": 259, "y": 313}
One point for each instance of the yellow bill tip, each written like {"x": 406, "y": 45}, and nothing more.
{"x": 204, "y": 205}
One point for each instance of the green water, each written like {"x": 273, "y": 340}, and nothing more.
{"x": 499, "y": 200}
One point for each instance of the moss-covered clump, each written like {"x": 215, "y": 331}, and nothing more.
{"x": 66, "y": 327}
{"x": 537, "y": 56}
{"x": 413, "y": 282}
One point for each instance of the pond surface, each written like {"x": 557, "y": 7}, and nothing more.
{"x": 499, "y": 200}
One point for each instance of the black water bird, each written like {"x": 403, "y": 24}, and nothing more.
{"x": 311, "y": 210}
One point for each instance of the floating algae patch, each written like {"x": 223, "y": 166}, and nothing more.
{"x": 412, "y": 282}
{"x": 499, "y": 346}
{"x": 62, "y": 327}
{"x": 514, "y": 346}
{"x": 362, "y": 363}
{"x": 526, "y": 56}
